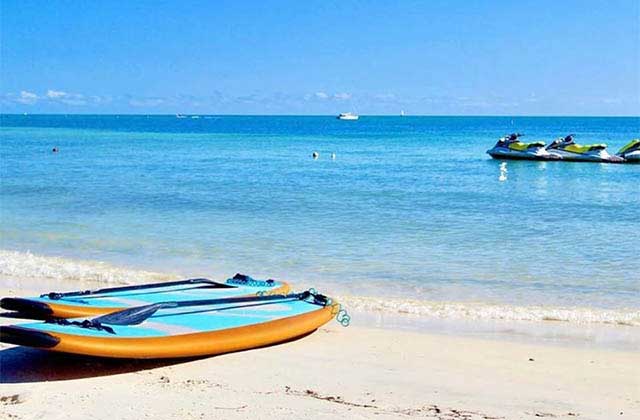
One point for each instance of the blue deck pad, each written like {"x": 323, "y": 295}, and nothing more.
{"x": 157, "y": 294}
{"x": 188, "y": 320}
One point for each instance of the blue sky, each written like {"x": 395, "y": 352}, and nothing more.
{"x": 321, "y": 57}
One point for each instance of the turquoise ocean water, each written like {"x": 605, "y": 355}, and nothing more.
{"x": 411, "y": 208}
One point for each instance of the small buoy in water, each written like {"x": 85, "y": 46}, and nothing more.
{"x": 55, "y": 150}
{"x": 333, "y": 156}
{"x": 315, "y": 155}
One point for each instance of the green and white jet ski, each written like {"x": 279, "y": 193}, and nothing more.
{"x": 631, "y": 152}
{"x": 510, "y": 147}
{"x": 567, "y": 149}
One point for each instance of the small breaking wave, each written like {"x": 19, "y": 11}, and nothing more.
{"x": 488, "y": 311}
{"x": 25, "y": 266}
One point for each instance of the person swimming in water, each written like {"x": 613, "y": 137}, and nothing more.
{"x": 55, "y": 150}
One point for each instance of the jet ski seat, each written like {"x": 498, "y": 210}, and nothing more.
{"x": 520, "y": 146}
{"x": 578, "y": 148}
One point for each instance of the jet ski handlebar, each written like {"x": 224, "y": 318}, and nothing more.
{"x": 514, "y": 136}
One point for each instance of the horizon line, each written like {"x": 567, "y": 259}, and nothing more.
{"x": 314, "y": 115}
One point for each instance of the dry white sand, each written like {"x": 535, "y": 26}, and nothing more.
{"x": 336, "y": 372}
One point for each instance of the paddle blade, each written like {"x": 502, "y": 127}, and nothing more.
{"x": 132, "y": 316}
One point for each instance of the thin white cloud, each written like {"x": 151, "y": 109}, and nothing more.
{"x": 56, "y": 94}
{"x": 96, "y": 99}
{"x": 324, "y": 96}
{"x": 342, "y": 96}
{"x": 27, "y": 98}
{"x": 142, "y": 102}
{"x": 385, "y": 96}
{"x": 73, "y": 99}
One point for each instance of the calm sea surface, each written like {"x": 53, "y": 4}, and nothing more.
{"x": 411, "y": 207}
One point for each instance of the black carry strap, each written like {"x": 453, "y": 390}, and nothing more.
{"x": 87, "y": 323}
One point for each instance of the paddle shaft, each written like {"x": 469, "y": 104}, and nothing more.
{"x": 241, "y": 299}
{"x": 58, "y": 295}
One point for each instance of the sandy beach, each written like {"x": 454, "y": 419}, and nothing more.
{"x": 336, "y": 372}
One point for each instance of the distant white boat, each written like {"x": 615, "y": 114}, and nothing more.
{"x": 180, "y": 116}
{"x": 195, "y": 117}
{"x": 402, "y": 113}
{"x": 348, "y": 116}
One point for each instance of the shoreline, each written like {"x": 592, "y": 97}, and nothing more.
{"x": 32, "y": 274}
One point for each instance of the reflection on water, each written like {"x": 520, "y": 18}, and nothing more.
{"x": 503, "y": 172}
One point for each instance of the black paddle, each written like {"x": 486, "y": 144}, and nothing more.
{"x": 60, "y": 295}
{"x": 138, "y": 314}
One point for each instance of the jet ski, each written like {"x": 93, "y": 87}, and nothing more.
{"x": 568, "y": 149}
{"x": 510, "y": 147}
{"x": 631, "y": 152}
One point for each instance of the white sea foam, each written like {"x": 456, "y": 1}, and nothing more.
{"x": 33, "y": 269}
{"x": 27, "y": 266}
{"x": 486, "y": 311}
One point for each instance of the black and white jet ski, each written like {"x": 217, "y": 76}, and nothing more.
{"x": 510, "y": 147}
{"x": 568, "y": 149}
{"x": 631, "y": 152}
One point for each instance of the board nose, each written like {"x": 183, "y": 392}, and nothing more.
{"x": 26, "y": 306}
{"x": 27, "y": 337}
